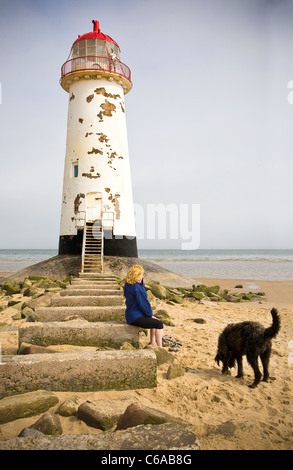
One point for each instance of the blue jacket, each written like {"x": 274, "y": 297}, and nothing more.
{"x": 137, "y": 303}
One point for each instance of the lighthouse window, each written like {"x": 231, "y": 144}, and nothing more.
{"x": 75, "y": 170}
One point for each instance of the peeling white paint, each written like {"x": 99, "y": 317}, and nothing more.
{"x": 95, "y": 139}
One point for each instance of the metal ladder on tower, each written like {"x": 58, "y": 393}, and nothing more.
{"x": 92, "y": 247}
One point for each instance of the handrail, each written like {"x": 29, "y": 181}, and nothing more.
{"x": 95, "y": 63}
{"x": 79, "y": 216}
{"x": 83, "y": 246}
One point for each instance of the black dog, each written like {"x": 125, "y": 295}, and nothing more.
{"x": 250, "y": 339}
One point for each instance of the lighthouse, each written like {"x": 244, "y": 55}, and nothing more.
{"x": 97, "y": 215}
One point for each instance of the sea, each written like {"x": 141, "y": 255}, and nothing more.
{"x": 266, "y": 265}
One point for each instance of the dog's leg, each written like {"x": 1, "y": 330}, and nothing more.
{"x": 240, "y": 367}
{"x": 265, "y": 358}
{"x": 252, "y": 359}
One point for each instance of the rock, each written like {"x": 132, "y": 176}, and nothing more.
{"x": 151, "y": 296}
{"x": 26, "y": 312}
{"x": 161, "y": 437}
{"x": 137, "y": 413}
{"x": 158, "y": 291}
{"x": 27, "y": 432}
{"x": 69, "y": 407}
{"x": 27, "y": 348}
{"x": 175, "y": 298}
{"x": 196, "y": 295}
{"x": 162, "y": 314}
{"x": 42, "y": 301}
{"x": 163, "y": 356}
{"x": 230, "y": 297}
{"x": 102, "y": 414}
{"x": 199, "y": 320}
{"x": 175, "y": 370}
{"x": 33, "y": 292}
{"x": 164, "y": 317}
{"x": 127, "y": 346}
{"x": 26, "y": 283}
{"x": 239, "y": 286}
{"x": 15, "y": 303}
{"x": 16, "y": 316}
{"x": 27, "y": 404}
{"x": 11, "y": 288}
{"x": 48, "y": 423}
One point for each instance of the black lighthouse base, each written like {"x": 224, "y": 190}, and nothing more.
{"x": 113, "y": 246}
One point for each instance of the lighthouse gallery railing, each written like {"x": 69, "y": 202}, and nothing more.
{"x": 97, "y": 63}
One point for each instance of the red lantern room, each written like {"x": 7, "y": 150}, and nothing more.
{"x": 95, "y": 52}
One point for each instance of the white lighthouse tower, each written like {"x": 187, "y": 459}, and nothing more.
{"x": 97, "y": 207}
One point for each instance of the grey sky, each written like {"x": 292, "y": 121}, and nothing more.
{"x": 208, "y": 118}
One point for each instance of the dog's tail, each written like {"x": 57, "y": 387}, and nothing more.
{"x": 273, "y": 330}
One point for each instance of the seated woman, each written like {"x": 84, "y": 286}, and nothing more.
{"x": 138, "y": 308}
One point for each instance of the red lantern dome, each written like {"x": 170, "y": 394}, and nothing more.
{"x": 96, "y": 34}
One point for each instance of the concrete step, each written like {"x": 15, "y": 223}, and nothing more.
{"x": 78, "y": 333}
{"x": 92, "y": 300}
{"x": 93, "y": 282}
{"x": 78, "y": 372}
{"x": 91, "y": 314}
{"x": 97, "y": 276}
{"x": 92, "y": 285}
{"x": 89, "y": 291}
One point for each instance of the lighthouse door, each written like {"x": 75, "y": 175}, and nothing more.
{"x": 93, "y": 207}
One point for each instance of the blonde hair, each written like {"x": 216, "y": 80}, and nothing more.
{"x": 133, "y": 274}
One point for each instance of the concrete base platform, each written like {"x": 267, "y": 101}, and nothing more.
{"x": 104, "y": 334}
{"x": 91, "y": 314}
{"x": 93, "y": 300}
{"x": 78, "y": 372}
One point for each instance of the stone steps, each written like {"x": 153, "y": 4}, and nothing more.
{"x": 78, "y": 371}
{"x": 105, "y": 334}
{"x": 97, "y": 276}
{"x": 115, "y": 369}
{"x": 89, "y": 291}
{"x": 93, "y": 283}
{"x": 91, "y": 314}
{"x": 85, "y": 300}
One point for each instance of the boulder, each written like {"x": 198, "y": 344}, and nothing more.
{"x": 196, "y": 295}
{"x": 26, "y": 312}
{"x": 176, "y": 299}
{"x": 69, "y": 407}
{"x": 164, "y": 317}
{"x": 48, "y": 423}
{"x": 33, "y": 292}
{"x": 175, "y": 370}
{"x": 102, "y": 414}
{"x": 11, "y": 288}
{"x": 27, "y": 432}
{"x": 162, "y": 355}
{"x": 26, "y": 283}
{"x": 137, "y": 414}
{"x": 42, "y": 301}
{"x": 27, "y": 404}
{"x": 151, "y": 296}
{"x": 158, "y": 291}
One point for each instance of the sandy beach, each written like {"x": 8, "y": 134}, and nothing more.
{"x": 222, "y": 411}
